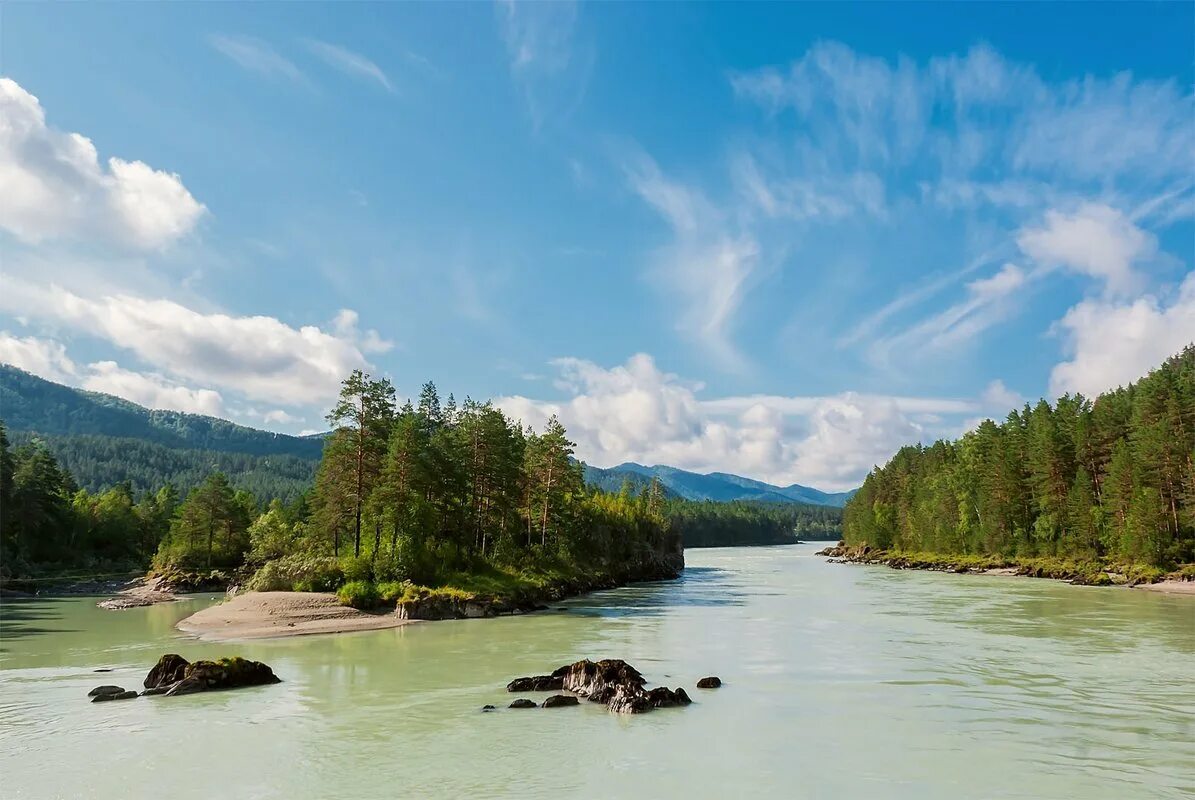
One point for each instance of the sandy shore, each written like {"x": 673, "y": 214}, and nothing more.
{"x": 262, "y": 615}
{"x": 1170, "y": 587}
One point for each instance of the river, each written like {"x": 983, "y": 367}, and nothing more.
{"x": 840, "y": 682}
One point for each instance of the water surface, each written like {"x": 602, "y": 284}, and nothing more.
{"x": 841, "y": 682}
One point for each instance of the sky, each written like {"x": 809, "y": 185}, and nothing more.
{"x": 779, "y": 240}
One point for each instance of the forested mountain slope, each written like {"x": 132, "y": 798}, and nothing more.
{"x": 1109, "y": 479}
{"x": 30, "y": 403}
{"x": 718, "y": 486}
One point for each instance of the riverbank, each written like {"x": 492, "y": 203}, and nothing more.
{"x": 268, "y": 615}
{"x": 1081, "y": 573}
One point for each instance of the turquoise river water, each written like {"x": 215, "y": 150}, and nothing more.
{"x": 840, "y": 682}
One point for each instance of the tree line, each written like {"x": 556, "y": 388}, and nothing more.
{"x": 1110, "y": 479}
{"x": 710, "y": 523}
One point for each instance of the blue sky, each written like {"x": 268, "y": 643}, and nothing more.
{"x": 778, "y": 240}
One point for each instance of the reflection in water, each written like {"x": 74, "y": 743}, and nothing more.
{"x": 841, "y": 681}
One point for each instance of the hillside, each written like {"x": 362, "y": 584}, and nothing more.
{"x": 30, "y": 403}
{"x": 717, "y": 486}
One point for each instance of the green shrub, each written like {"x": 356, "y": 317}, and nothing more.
{"x": 359, "y": 594}
{"x": 298, "y": 573}
{"x": 357, "y": 569}
{"x": 390, "y": 591}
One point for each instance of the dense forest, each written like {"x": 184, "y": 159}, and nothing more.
{"x": 98, "y": 462}
{"x": 712, "y": 524}
{"x": 1110, "y": 479}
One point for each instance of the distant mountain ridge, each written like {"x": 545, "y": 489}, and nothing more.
{"x": 30, "y": 403}
{"x": 717, "y": 486}
{"x": 89, "y": 431}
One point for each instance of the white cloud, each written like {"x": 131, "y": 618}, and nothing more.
{"x": 708, "y": 263}
{"x": 56, "y": 187}
{"x": 258, "y": 356}
{"x": 151, "y": 390}
{"x": 280, "y": 416}
{"x": 999, "y": 396}
{"x": 48, "y": 359}
{"x": 349, "y": 62}
{"x": 256, "y": 56}
{"x": 39, "y": 356}
{"x": 1096, "y": 240}
{"x": 988, "y": 301}
{"x": 636, "y": 412}
{"x": 1113, "y": 344}
{"x": 547, "y": 62}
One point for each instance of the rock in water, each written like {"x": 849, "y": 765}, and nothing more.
{"x": 227, "y": 673}
{"x": 559, "y": 700}
{"x": 105, "y": 689}
{"x": 168, "y": 671}
{"x": 121, "y": 695}
{"x": 712, "y": 682}
{"x": 598, "y": 679}
{"x": 537, "y": 683}
{"x": 174, "y": 675}
{"x": 523, "y": 702}
{"x": 487, "y": 707}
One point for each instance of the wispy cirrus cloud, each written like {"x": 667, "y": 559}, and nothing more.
{"x": 349, "y": 62}
{"x": 549, "y": 62}
{"x": 257, "y": 55}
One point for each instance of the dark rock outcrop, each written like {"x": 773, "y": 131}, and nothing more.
{"x": 537, "y": 683}
{"x": 523, "y": 702}
{"x": 168, "y": 671}
{"x": 598, "y": 679}
{"x": 173, "y": 675}
{"x": 612, "y": 682}
{"x": 105, "y": 689}
{"x": 487, "y": 707}
{"x": 121, "y": 695}
{"x": 712, "y": 682}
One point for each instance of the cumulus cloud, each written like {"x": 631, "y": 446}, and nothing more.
{"x": 1112, "y": 344}
{"x": 258, "y": 356}
{"x": 48, "y": 359}
{"x": 637, "y": 412}
{"x": 1095, "y": 240}
{"x": 151, "y": 390}
{"x": 56, "y": 187}
{"x": 39, "y": 356}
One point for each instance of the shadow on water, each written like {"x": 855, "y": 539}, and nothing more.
{"x": 696, "y": 587}
{"x": 19, "y": 618}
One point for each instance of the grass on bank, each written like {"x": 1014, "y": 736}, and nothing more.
{"x": 1091, "y": 572}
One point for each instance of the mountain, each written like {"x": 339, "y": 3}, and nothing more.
{"x": 30, "y": 403}
{"x": 103, "y": 440}
{"x": 718, "y": 486}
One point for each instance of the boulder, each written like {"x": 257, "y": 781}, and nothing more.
{"x": 559, "y": 700}
{"x": 105, "y": 689}
{"x": 121, "y": 695}
{"x": 173, "y": 675}
{"x": 168, "y": 671}
{"x": 597, "y": 679}
{"x": 487, "y": 707}
{"x": 537, "y": 683}
{"x": 712, "y": 682}
{"x": 523, "y": 702}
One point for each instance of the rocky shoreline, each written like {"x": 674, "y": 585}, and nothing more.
{"x": 1077, "y": 573}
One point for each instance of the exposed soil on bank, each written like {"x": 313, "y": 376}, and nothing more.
{"x": 264, "y": 615}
